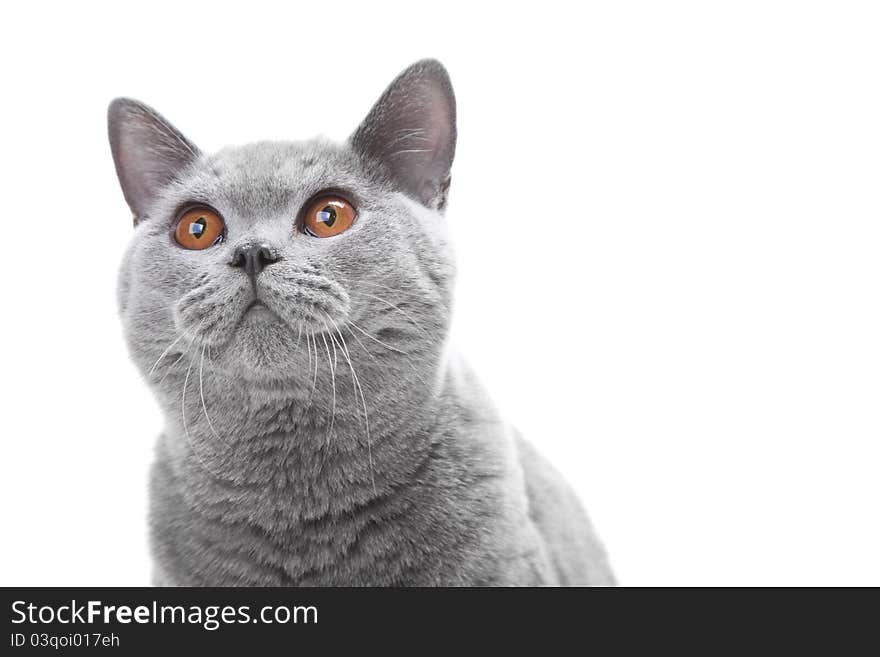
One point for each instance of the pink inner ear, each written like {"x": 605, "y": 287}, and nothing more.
{"x": 440, "y": 120}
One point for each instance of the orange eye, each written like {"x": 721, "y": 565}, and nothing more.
{"x": 199, "y": 228}
{"x": 328, "y": 216}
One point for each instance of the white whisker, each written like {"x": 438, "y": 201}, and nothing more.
{"x": 171, "y": 367}
{"x": 315, "y": 378}
{"x": 398, "y": 308}
{"x": 182, "y": 353}
{"x": 370, "y": 354}
{"x": 148, "y": 313}
{"x": 298, "y": 337}
{"x": 202, "y": 396}
{"x": 164, "y": 353}
{"x": 359, "y": 388}
{"x": 375, "y": 339}
{"x": 407, "y": 292}
{"x": 183, "y": 421}
{"x": 333, "y": 382}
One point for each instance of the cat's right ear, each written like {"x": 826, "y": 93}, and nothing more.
{"x": 410, "y": 132}
{"x": 148, "y": 152}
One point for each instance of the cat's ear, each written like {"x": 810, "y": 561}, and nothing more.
{"x": 148, "y": 152}
{"x": 410, "y": 132}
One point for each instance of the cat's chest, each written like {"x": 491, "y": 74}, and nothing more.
{"x": 277, "y": 533}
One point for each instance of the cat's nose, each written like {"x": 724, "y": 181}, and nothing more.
{"x": 253, "y": 258}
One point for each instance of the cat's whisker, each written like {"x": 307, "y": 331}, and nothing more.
{"x": 359, "y": 388}
{"x": 182, "y": 353}
{"x": 171, "y": 367}
{"x": 333, "y": 383}
{"x": 408, "y": 355}
{"x": 335, "y": 356}
{"x": 298, "y": 337}
{"x": 202, "y": 396}
{"x": 366, "y": 351}
{"x": 183, "y": 421}
{"x": 149, "y": 313}
{"x": 405, "y": 354}
{"x": 375, "y": 339}
{"x": 343, "y": 346}
{"x": 370, "y": 353}
{"x": 336, "y": 326}
{"x": 315, "y": 379}
{"x": 396, "y": 307}
{"x": 164, "y": 353}
{"x": 310, "y": 341}
{"x": 413, "y": 293}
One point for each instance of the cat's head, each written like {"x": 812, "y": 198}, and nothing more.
{"x": 256, "y": 257}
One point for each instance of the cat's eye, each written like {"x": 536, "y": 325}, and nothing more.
{"x": 199, "y": 228}
{"x": 328, "y": 216}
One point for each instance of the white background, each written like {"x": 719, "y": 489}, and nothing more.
{"x": 667, "y": 223}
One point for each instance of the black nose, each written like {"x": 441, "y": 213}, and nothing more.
{"x": 253, "y": 258}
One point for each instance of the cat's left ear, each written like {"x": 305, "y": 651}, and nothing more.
{"x": 148, "y": 152}
{"x": 410, "y": 132}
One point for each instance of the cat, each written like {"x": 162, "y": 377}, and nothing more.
{"x": 288, "y": 304}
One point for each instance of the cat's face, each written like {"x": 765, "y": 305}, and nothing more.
{"x": 263, "y": 257}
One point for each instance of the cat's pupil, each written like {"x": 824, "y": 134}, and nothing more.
{"x": 327, "y": 216}
{"x": 197, "y": 228}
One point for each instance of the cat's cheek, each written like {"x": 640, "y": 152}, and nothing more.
{"x": 123, "y": 288}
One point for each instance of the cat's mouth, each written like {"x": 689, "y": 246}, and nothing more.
{"x": 257, "y": 306}
{"x": 289, "y": 301}
{"x": 258, "y": 310}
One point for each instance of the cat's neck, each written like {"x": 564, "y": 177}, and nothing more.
{"x": 306, "y": 447}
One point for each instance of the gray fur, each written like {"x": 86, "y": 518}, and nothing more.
{"x": 281, "y": 462}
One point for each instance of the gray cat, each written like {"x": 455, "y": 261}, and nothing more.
{"x": 288, "y": 303}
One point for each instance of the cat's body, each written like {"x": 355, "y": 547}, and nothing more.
{"x": 325, "y": 435}
{"x": 469, "y": 503}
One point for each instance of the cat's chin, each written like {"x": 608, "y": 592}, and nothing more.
{"x": 262, "y": 345}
